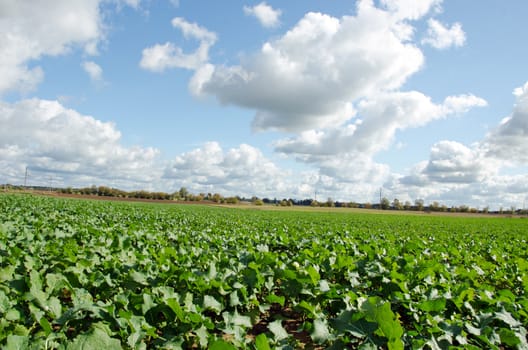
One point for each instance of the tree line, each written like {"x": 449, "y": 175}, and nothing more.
{"x": 184, "y": 195}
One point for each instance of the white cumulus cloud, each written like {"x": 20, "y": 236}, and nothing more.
{"x": 238, "y": 171}
{"x": 309, "y": 77}
{"x": 49, "y": 138}
{"x": 266, "y": 15}
{"x": 35, "y": 28}
{"x": 376, "y": 124}
{"x": 509, "y": 140}
{"x": 411, "y": 9}
{"x": 93, "y": 69}
{"x": 453, "y": 162}
{"x": 160, "y": 57}
{"x": 441, "y": 37}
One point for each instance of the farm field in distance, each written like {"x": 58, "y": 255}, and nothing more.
{"x": 81, "y": 274}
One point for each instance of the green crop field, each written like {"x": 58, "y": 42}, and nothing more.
{"x": 80, "y": 274}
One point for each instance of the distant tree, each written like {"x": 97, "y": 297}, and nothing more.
{"x": 183, "y": 193}
{"x": 385, "y": 204}
{"x": 419, "y": 204}
{"x": 396, "y": 204}
{"x": 435, "y": 206}
{"x": 407, "y": 205}
{"x": 463, "y": 208}
{"x": 231, "y": 200}
{"x": 330, "y": 202}
{"x": 216, "y": 198}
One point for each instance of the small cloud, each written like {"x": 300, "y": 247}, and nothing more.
{"x": 267, "y": 15}
{"x": 132, "y": 3}
{"x": 159, "y": 57}
{"x": 94, "y": 70}
{"x": 440, "y": 36}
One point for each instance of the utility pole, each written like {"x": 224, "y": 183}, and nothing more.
{"x": 51, "y": 183}
{"x": 25, "y": 178}
{"x": 380, "y": 196}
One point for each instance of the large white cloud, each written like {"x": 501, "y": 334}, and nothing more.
{"x": 475, "y": 175}
{"x": 452, "y": 162}
{"x": 378, "y": 120}
{"x": 509, "y": 141}
{"x": 34, "y": 28}
{"x": 159, "y": 57}
{"x": 51, "y": 139}
{"x": 238, "y": 171}
{"x": 309, "y": 77}
{"x": 266, "y": 15}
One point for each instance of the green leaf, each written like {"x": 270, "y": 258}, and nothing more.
{"x": 272, "y": 298}
{"x": 211, "y": 303}
{"x": 320, "y": 333}
{"x": 97, "y": 339}
{"x": 308, "y": 307}
{"x": 507, "y": 318}
{"x": 175, "y": 306}
{"x": 221, "y": 345}
{"x": 433, "y": 305}
{"x": 17, "y": 342}
{"x": 45, "y": 325}
{"x": 202, "y": 336}
{"x": 388, "y": 324}
{"x": 509, "y": 337}
{"x": 314, "y": 274}
{"x": 278, "y": 331}
{"x": 148, "y": 303}
{"x": 236, "y": 319}
{"x": 5, "y": 303}
{"x": 261, "y": 342}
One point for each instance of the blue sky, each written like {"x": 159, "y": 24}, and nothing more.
{"x": 423, "y": 99}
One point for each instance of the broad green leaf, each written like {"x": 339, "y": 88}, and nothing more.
{"x": 202, "y": 336}
{"x": 272, "y": 298}
{"x": 433, "y": 305}
{"x": 388, "y": 324}
{"x": 5, "y": 303}
{"x": 96, "y": 339}
{"x": 278, "y": 330}
{"x": 320, "y": 332}
{"x": 261, "y": 342}
{"x": 509, "y": 337}
{"x": 314, "y": 274}
{"x": 175, "y": 306}
{"x": 17, "y": 342}
{"x": 211, "y": 303}
{"x": 148, "y": 303}
{"x": 221, "y": 345}
{"x": 507, "y": 318}
{"x": 236, "y": 319}
{"x": 234, "y": 300}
